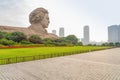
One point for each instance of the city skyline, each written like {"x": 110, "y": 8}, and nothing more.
{"x": 70, "y": 14}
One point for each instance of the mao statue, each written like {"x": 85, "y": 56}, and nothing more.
{"x": 39, "y": 20}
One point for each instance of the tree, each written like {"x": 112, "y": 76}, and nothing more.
{"x": 72, "y": 39}
{"x": 79, "y": 44}
{"x": 117, "y": 44}
{"x": 105, "y": 44}
{"x": 60, "y": 40}
{"x": 16, "y": 36}
{"x": 35, "y": 39}
{"x": 111, "y": 44}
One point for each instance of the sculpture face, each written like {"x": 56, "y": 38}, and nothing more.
{"x": 39, "y": 16}
{"x": 45, "y": 21}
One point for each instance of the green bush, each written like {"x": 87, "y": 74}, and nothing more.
{"x": 47, "y": 41}
{"x": 35, "y": 39}
{"x": 7, "y": 42}
{"x": 25, "y": 42}
{"x": 62, "y": 44}
{"x": 79, "y": 44}
{"x": 16, "y": 36}
{"x": 1, "y": 45}
{"x": 1, "y": 36}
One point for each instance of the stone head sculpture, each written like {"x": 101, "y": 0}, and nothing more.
{"x": 39, "y": 20}
{"x": 39, "y": 16}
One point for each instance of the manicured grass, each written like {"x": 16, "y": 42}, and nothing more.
{"x": 24, "y": 52}
{"x": 18, "y": 52}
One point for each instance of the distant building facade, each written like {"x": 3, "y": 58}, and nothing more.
{"x": 86, "y": 35}
{"x": 114, "y": 33}
{"x": 61, "y": 32}
{"x": 54, "y": 32}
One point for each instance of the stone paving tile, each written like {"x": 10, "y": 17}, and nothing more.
{"x": 111, "y": 56}
{"x": 99, "y": 65}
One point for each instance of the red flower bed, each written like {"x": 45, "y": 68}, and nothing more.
{"x": 5, "y": 47}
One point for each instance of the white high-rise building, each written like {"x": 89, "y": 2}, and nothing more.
{"x": 61, "y": 32}
{"x": 54, "y": 32}
{"x": 114, "y": 33}
{"x": 86, "y": 38}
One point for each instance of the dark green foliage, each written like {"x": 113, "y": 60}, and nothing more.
{"x": 89, "y": 45}
{"x": 1, "y": 36}
{"x": 48, "y": 41}
{"x": 35, "y": 39}
{"x": 94, "y": 45}
{"x": 105, "y": 44}
{"x": 117, "y": 44}
{"x": 7, "y": 42}
{"x": 111, "y": 44}
{"x": 19, "y": 37}
{"x": 72, "y": 39}
{"x": 16, "y": 36}
{"x": 62, "y": 42}
{"x": 25, "y": 42}
{"x": 79, "y": 44}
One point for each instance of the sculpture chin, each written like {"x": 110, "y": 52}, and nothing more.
{"x": 45, "y": 26}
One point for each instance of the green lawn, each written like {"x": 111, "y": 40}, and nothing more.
{"x": 57, "y": 51}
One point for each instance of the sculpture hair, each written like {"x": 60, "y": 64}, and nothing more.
{"x": 37, "y": 15}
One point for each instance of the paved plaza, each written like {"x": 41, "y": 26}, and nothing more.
{"x": 98, "y": 65}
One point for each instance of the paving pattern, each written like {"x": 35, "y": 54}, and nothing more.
{"x": 98, "y": 65}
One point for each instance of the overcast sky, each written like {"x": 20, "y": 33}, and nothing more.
{"x": 73, "y": 15}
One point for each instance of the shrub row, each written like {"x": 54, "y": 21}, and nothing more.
{"x": 15, "y": 38}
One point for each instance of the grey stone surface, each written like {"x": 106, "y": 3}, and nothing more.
{"x": 98, "y": 65}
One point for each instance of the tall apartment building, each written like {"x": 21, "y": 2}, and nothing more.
{"x": 114, "y": 33}
{"x": 86, "y": 35}
{"x": 61, "y": 32}
{"x": 54, "y": 32}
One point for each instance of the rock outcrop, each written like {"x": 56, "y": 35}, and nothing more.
{"x": 39, "y": 20}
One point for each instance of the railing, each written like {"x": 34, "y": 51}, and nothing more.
{"x": 37, "y": 57}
